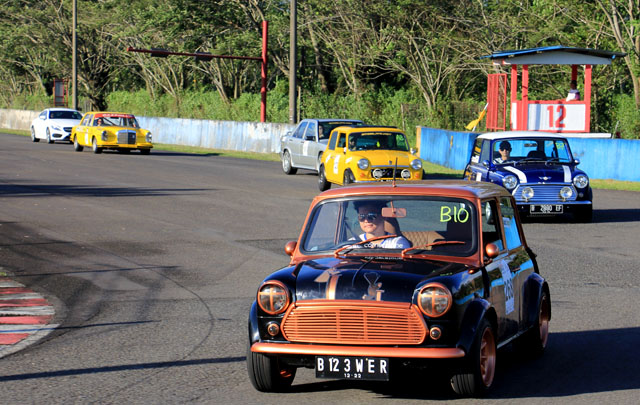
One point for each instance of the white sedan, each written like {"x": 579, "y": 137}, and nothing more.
{"x": 54, "y": 124}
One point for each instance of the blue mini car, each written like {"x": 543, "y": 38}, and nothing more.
{"x": 537, "y": 168}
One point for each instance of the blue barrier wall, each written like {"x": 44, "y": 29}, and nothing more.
{"x": 600, "y": 158}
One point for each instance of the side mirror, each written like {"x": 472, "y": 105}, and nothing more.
{"x": 576, "y": 161}
{"x": 491, "y": 250}
{"x": 413, "y": 151}
{"x": 485, "y": 163}
{"x": 344, "y": 150}
{"x": 290, "y": 247}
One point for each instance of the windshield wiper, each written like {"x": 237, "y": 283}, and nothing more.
{"x": 363, "y": 242}
{"x": 424, "y": 247}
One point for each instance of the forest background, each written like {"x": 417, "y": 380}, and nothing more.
{"x": 406, "y": 63}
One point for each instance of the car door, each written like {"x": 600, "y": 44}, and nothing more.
{"x": 478, "y": 167}
{"x": 40, "y": 124}
{"x": 83, "y": 131}
{"x": 296, "y": 142}
{"x": 334, "y": 161}
{"x": 310, "y": 146}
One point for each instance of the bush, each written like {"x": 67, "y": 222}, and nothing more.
{"x": 627, "y": 116}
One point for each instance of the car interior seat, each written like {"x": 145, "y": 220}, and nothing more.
{"x": 537, "y": 154}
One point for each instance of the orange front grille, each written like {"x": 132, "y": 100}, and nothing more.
{"x": 354, "y": 322}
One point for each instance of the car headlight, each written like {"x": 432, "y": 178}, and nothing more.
{"x": 527, "y": 193}
{"x": 377, "y": 173}
{"x": 405, "y": 174}
{"x": 434, "y": 300}
{"x": 104, "y": 136}
{"x": 416, "y": 164}
{"x": 56, "y": 127}
{"x": 363, "y": 164}
{"x": 510, "y": 182}
{"x": 581, "y": 181}
{"x": 566, "y": 192}
{"x": 149, "y": 137}
{"x": 273, "y": 297}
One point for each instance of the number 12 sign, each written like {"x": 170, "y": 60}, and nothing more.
{"x": 557, "y": 117}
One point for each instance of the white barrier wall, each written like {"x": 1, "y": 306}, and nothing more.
{"x": 258, "y": 137}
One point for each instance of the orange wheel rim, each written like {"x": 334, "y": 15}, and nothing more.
{"x": 487, "y": 357}
{"x": 543, "y": 321}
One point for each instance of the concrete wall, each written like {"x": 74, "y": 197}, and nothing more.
{"x": 600, "y": 158}
{"x": 230, "y": 135}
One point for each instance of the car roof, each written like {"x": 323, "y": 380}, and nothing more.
{"x": 368, "y": 128}
{"x": 332, "y": 119}
{"x": 110, "y": 113}
{"x": 61, "y": 109}
{"x": 441, "y": 188}
{"x": 518, "y": 134}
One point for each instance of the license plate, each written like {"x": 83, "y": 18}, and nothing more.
{"x": 546, "y": 209}
{"x": 352, "y": 368}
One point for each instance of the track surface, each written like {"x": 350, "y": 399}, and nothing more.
{"x": 152, "y": 262}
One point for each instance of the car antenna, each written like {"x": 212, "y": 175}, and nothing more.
{"x": 395, "y": 168}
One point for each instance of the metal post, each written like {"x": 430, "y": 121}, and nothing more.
{"x": 74, "y": 57}
{"x": 293, "y": 46}
{"x": 263, "y": 74}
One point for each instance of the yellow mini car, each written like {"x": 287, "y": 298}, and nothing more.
{"x": 367, "y": 154}
{"x": 110, "y": 130}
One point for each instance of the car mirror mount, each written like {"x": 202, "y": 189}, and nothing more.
{"x": 485, "y": 163}
{"x": 576, "y": 161}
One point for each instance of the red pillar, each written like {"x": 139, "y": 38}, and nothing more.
{"x": 263, "y": 74}
{"x": 514, "y": 97}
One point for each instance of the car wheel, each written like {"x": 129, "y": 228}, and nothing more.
{"x": 286, "y": 163}
{"x": 347, "y": 178}
{"x": 319, "y": 162}
{"x": 94, "y": 146}
{"x": 145, "y": 151}
{"x": 323, "y": 184}
{"x": 76, "y": 146}
{"x": 49, "y": 140}
{"x": 33, "y": 135}
{"x": 267, "y": 374}
{"x": 478, "y": 372}
{"x": 584, "y": 213}
{"x": 534, "y": 341}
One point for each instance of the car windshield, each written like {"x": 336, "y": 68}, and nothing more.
{"x": 65, "y": 115}
{"x": 416, "y": 222}
{"x": 327, "y": 126}
{"x": 525, "y": 150}
{"x": 378, "y": 140}
{"x": 120, "y": 121}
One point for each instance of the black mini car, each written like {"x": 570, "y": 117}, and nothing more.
{"x": 385, "y": 277}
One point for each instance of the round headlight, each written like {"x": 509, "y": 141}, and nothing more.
{"x": 406, "y": 174}
{"x": 273, "y": 297}
{"x": 527, "y": 193}
{"x": 566, "y": 192}
{"x": 149, "y": 137}
{"x": 377, "y": 173}
{"x": 416, "y": 164}
{"x": 434, "y": 300}
{"x": 510, "y": 182}
{"x": 581, "y": 181}
{"x": 363, "y": 164}
{"x": 104, "y": 136}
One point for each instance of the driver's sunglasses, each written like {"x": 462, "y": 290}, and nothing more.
{"x": 371, "y": 216}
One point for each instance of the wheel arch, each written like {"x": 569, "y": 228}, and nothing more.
{"x": 534, "y": 286}
{"x": 475, "y": 312}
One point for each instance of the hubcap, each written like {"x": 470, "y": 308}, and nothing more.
{"x": 487, "y": 357}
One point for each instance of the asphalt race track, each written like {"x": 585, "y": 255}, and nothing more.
{"x": 152, "y": 262}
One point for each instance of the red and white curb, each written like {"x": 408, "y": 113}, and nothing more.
{"x": 24, "y": 316}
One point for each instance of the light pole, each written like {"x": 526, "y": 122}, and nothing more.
{"x": 74, "y": 57}
{"x": 293, "y": 47}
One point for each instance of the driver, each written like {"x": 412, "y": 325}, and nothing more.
{"x": 505, "y": 152}
{"x": 372, "y": 223}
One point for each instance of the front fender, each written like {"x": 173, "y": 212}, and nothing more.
{"x": 254, "y": 332}
{"x": 473, "y": 315}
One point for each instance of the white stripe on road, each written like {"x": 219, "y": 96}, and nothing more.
{"x": 29, "y": 311}
{"x": 10, "y": 283}
{"x": 23, "y": 296}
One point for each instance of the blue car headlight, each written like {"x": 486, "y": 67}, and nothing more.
{"x": 581, "y": 181}
{"x": 510, "y": 182}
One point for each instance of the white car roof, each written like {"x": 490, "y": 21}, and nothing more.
{"x": 518, "y": 134}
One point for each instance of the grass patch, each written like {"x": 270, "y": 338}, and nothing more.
{"x": 433, "y": 171}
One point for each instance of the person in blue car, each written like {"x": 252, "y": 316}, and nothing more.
{"x": 505, "y": 152}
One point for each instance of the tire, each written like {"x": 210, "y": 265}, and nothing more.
{"x": 267, "y": 374}
{"x": 287, "y": 168}
{"x": 323, "y": 184}
{"x": 584, "y": 214}
{"x": 534, "y": 341}
{"x": 94, "y": 146}
{"x": 76, "y": 146}
{"x": 33, "y": 135}
{"x": 476, "y": 375}
{"x": 347, "y": 178}
{"x": 49, "y": 140}
{"x": 145, "y": 151}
